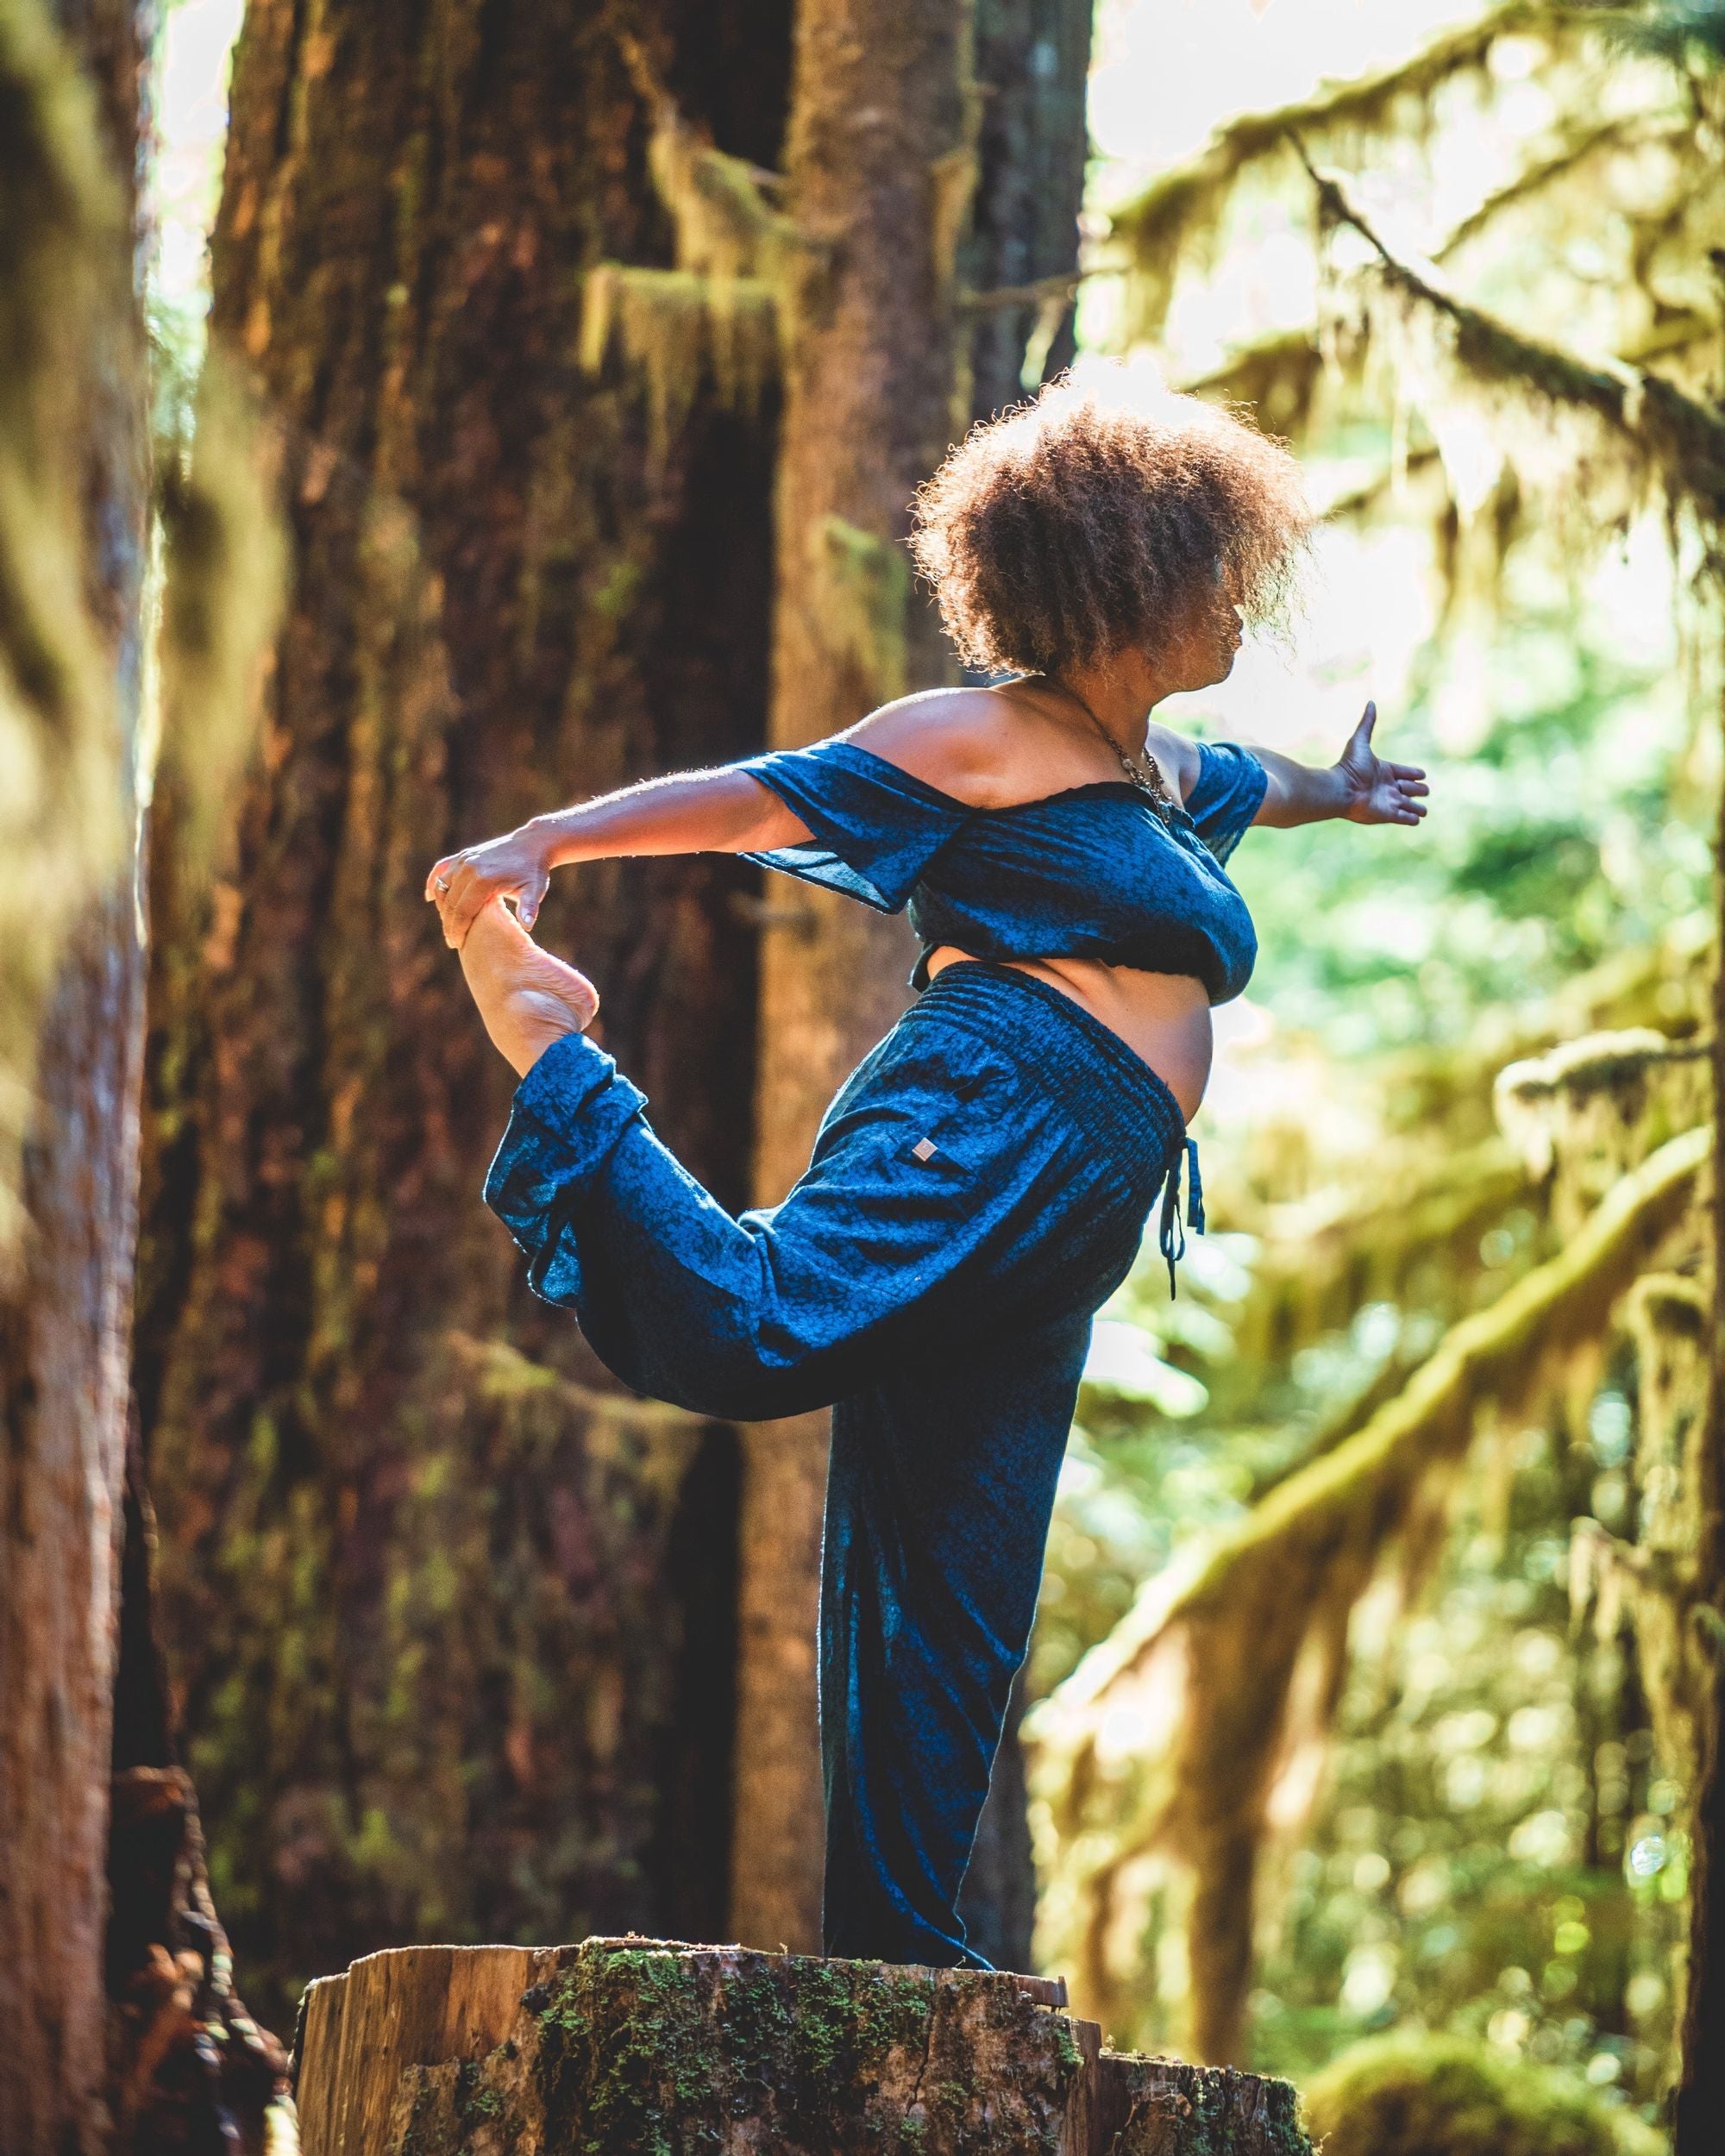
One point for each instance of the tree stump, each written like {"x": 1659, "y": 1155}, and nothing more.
{"x": 646, "y": 2047}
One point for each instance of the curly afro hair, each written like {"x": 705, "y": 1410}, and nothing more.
{"x": 1090, "y": 520}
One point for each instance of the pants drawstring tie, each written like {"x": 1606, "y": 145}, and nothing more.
{"x": 1171, "y": 1223}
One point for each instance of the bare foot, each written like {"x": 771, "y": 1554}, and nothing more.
{"x": 527, "y": 998}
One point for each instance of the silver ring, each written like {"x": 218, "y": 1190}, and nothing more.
{"x": 441, "y": 883}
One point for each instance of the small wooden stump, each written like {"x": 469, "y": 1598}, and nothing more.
{"x": 647, "y": 2048}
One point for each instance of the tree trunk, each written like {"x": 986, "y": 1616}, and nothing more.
{"x": 623, "y": 2046}
{"x": 1032, "y": 71}
{"x": 73, "y": 492}
{"x": 1700, "y": 2104}
{"x": 449, "y": 1618}
{"x": 74, "y": 481}
{"x": 890, "y": 132}
{"x": 879, "y": 167}
{"x": 188, "y": 2067}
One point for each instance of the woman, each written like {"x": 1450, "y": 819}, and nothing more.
{"x": 980, "y": 1182}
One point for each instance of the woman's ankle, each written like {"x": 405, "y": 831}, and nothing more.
{"x": 539, "y": 1021}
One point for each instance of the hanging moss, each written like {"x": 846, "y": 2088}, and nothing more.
{"x": 683, "y": 331}
{"x": 1428, "y": 1203}
{"x": 653, "y": 1440}
{"x": 721, "y": 315}
{"x": 725, "y": 228}
{"x": 1668, "y": 1316}
{"x": 1313, "y": 1271}
{"x": 64, "y": 824}
{"x": 1588, "y": 1110}
{"x": 1219, "y": 1685}
{"x": 1625, "y": 420}
{"x": 863, "y": 585}
{"x": 1178, "y": 217}
{"x": 953, "y": 180}
{"x": 1279, "y": 376}
{"x": 223, "y": 589}
{"x": 1661, "y": 1582}
{"x": 1575, "y": 148}
{"x": 1612, "y": 436}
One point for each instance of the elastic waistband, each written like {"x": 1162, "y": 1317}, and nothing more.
{"x": 1110, "y": 1088}
{"x": 1063, "y": 1056}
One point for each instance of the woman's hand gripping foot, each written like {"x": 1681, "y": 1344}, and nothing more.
{"x": 527, "y": 998}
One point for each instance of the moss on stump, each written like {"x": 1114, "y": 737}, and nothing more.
{"x": 644, "y": 2047}
{"x": 1162, "y": 2107}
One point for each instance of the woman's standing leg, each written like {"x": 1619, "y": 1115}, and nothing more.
{"x": 938, "y": 1496}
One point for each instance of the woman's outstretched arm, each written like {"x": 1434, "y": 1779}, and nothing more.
{"x": 1360, "y": 785}
{"x": 719, "y": 811}
{"x": 934, "y": 734}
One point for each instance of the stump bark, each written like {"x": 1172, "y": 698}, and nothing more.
{"x": 646, "y": 2047}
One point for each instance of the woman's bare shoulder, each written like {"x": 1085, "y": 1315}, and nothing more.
{"x": 980, "y": 746}
{"x": 990, "y": 749}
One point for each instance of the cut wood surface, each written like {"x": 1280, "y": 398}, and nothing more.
{"x": 648, "y": 2048}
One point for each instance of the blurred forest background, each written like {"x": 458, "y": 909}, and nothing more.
{"x": 1366, "y": 1734}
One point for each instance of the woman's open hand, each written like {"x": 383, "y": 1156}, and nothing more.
{"x": 517, "y": 867}
{"x": 1379, "y": 793}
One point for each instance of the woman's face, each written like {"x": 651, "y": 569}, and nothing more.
{"x": 1201, "y": 650}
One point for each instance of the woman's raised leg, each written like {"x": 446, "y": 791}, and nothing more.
{"x": 966, "y": 1167}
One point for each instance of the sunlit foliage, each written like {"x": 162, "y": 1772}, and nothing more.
{"x": 1475, "y": 290}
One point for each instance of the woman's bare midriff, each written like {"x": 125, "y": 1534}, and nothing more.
{"x": 1162, "y": 1017}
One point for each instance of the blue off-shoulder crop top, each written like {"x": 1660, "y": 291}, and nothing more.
{"x": 1094, "y": 871}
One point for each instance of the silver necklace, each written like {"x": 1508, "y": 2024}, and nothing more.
{"x": 1142, "y": 770}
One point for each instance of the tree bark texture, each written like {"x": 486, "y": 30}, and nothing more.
{"x": 449, "y": 1619}
{"x": 1032, "y": 71}
{"x": 188, "y": 2067}
{"x": 74, "y": 463}
{"x": 623, "y": 2046}
{"x": 880, "y": 165}
{"x": 1699, "y": 2108}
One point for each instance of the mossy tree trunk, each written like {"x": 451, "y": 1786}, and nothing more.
{"x": 1699, "y": 2118}
{"x": 449, "y": 1621}
{"x": 1032, "y": 71}
{"x": 891, "y": 128}
{"x": 73, "y": 504}
{"x": 1700, "y": 2105}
